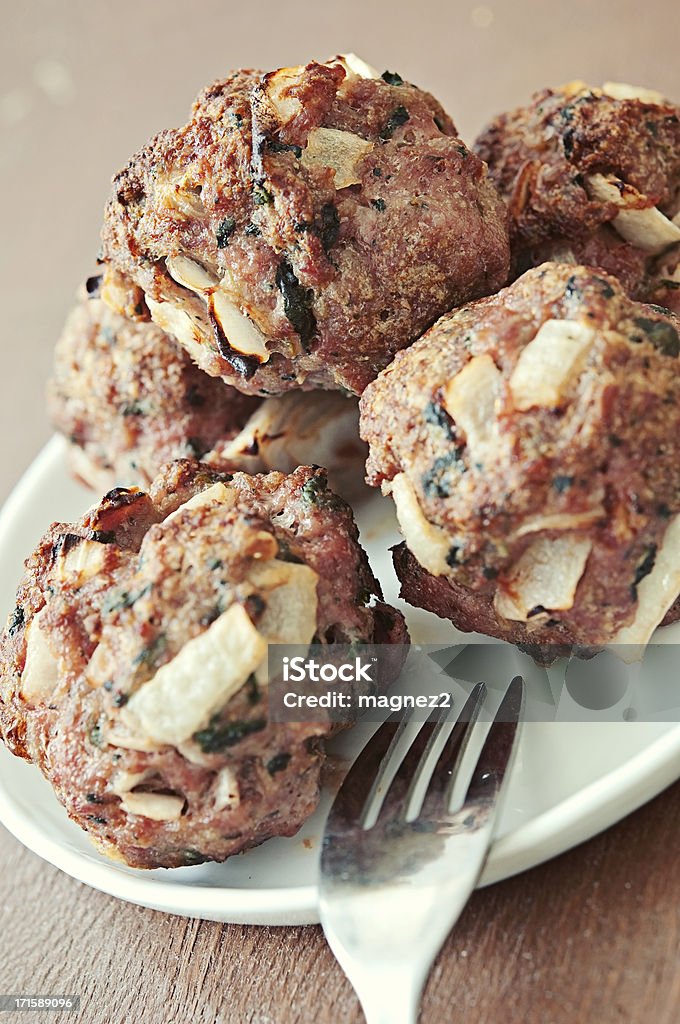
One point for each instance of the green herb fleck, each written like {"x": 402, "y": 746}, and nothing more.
{"x": 397, "y": 118}
{"x": 96, "y": 730}
{"x": 643, "y": 569}
{"x": 329, "y": 226}
{"x": 192, "y": 857}
{"x": 436, "y": 414}
{"x": 297, "y": 302}
{"x": 379, "y": 204}
{"x": 562, "y": 483}
{"x": 278, "y": 763}
{"x": 254, "y": 695}
{"x": 438, "y": 482}
{"x": 392, "y": 78}
{"x": 261, "y": 197}
{"x": 118, "y": 601}
{"x": 16, "y": 620}
{"x": 282, "y": 147}
{"x": 132, "y": 409}
{"x": 662, "y": 335}
{"x": 224, "y": 232}
{"x": 285, "y": 553}
{"x": 217, "y": 737}
{"x": 314, "y": 488}
{"x": 148, "y": 655}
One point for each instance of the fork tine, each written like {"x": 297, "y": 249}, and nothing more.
{"x": 364, "y": 777}
{"x": 397, "y": 797}
{"x": 414, "y": 764}
{"x": 438, "y": 793}
{"x": 494, "y": 759}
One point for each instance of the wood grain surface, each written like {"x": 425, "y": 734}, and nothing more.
{"x": 593, "y": 936}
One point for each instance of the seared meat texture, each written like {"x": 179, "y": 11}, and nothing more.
{"x": 592, "y": 176}
{"x": 304, "y": 226}
{"x": 129, "y": 399}
{"x": 531, "y": 443}
{"x": 133, "y": 668}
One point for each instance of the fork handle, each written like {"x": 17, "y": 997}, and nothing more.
{"x": 388, "y": 997}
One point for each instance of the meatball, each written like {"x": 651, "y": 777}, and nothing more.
{"x": 531, "y": 443}
{"x": 129, "y": 399}
{"x": 303, "y": 226}
{"x": 592, "y": 176}
{"x": 132, "y": 672}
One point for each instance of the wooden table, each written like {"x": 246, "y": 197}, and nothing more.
{"x": 592, "y": 936}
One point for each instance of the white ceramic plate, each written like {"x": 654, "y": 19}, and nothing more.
{"x": 571, "y": 779}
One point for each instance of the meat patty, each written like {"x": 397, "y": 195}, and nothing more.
{"x": 592, "y": 176}
{"x": 531, "y": 442}
{"x": 132, "y": 673}
{"x": 129, "y": 399}
{"x": 303, "y": 226}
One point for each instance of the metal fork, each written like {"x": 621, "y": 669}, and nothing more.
{"x": 390, "y": 892}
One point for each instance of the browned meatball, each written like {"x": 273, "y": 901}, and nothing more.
{"x": 531, "y": 442}
{"x": 304, "y": 226}
{"x": 592, "y": 176}
{"x": 131, "y": 670}
{"x": 129, "y": 399}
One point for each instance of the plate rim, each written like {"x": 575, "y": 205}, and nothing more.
{"x": 567, "y": 824}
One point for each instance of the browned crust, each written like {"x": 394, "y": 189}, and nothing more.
{"x": 375, "y": 263}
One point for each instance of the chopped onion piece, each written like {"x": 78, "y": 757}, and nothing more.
{"x": 239, "y": 330}
{"x": 218, "y": 494}
{"x": 82, "y": 562}
{"x": 289, "y": 590}
{"x": 548, "y": 364}
{"x": 190, "y": 275}
{"x": 123, "y": 782}
{"x": 127, "y": 740}
{"x": 561, "y": 521}
{"x": 648, "y": 228}
{"x": 656, "y": 592}
{"x": 156, "y": 806}
{"x": 276, "y": 87}
{"x": 546, "y": 575}
{"x": 206, "y": 673}
{"x": 470, "y": 399}
{"x": 40, "y": 675}
{"x": 428, "y": 543}
{"x": 341, "y": 151}
{"x": 623, "y": 91}
{"x": 227, "y": 793}
{"x": 177, "y": 322}
{"x": 356, "y": 65}
{"x": 298, "y": 429}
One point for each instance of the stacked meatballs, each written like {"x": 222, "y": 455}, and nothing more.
{"x": 316, "y": 243}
